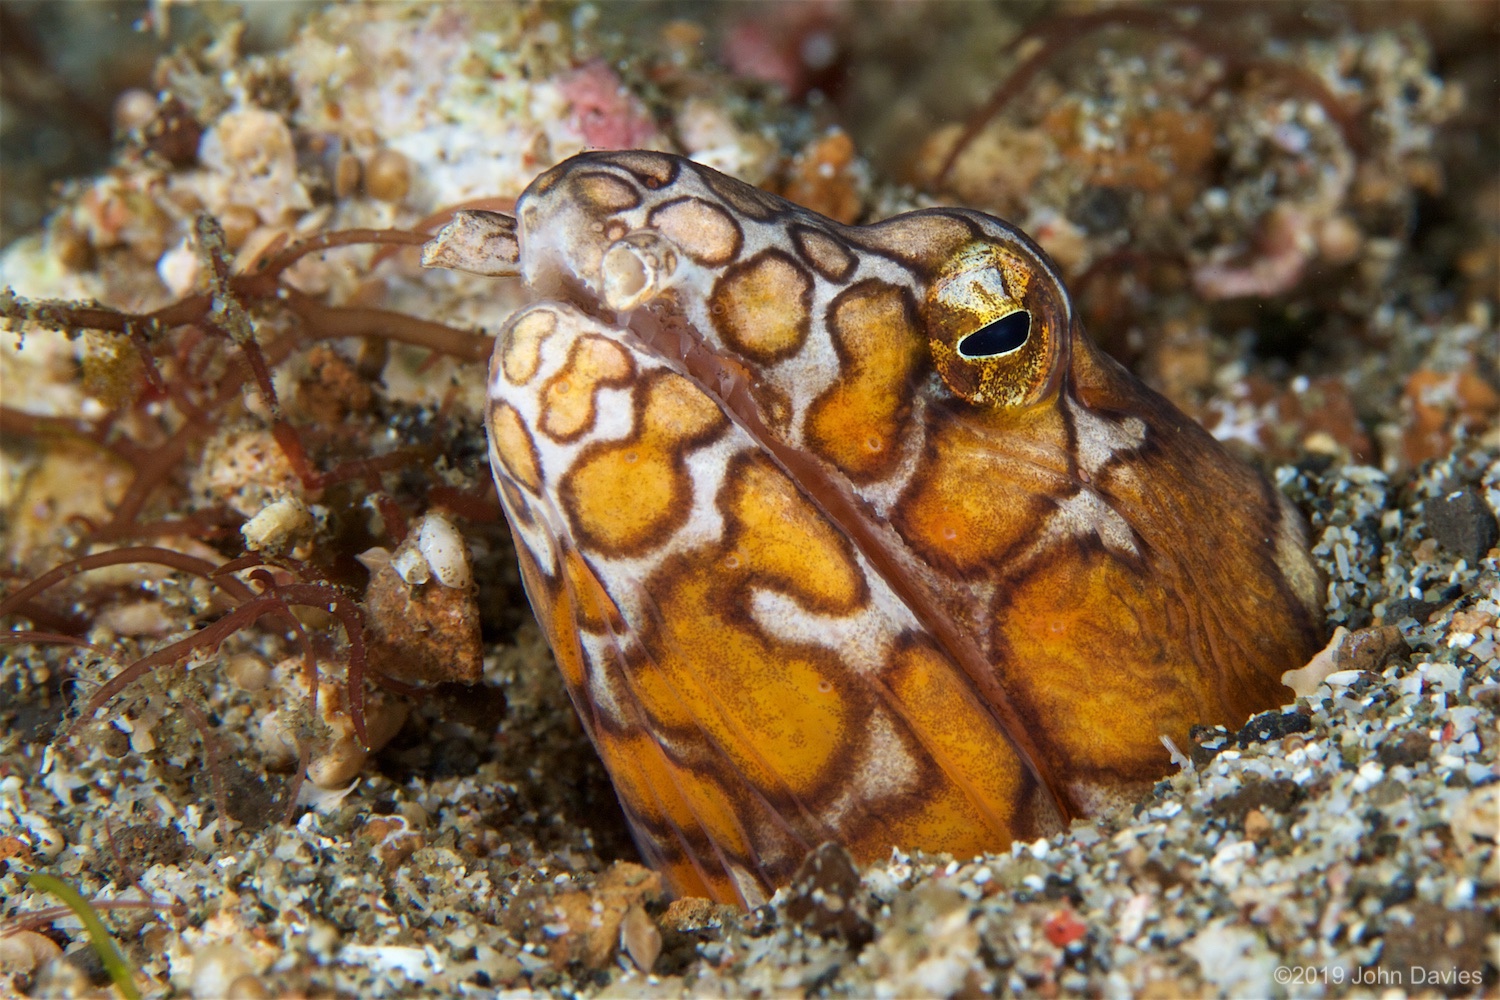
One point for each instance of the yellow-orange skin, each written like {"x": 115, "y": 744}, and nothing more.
{"x": 812, "y": 571}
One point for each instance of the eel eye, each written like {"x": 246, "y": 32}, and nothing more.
{"x": 998, "y": 322}
{"x": 1006, "y": 334}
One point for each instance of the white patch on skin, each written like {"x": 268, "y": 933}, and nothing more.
{"x": 1100, "y": 440}
{"x": 606, "y": 700}
{"x": 861, "y": 639}
{"x": 1085, "y": 513}
{"x": 538, "y": 538}
{"x": 885, "y": 770}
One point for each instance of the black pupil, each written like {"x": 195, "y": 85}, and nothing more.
{"x": 1004, "y": 335}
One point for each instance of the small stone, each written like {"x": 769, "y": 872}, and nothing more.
{"x": 590, "y": 923}
{"x": 826, "y": 896}
{"x": 245, "y": 470}
{"x": 392, "y": 838}
{"x": 142, "y": 845}
{"x": 347, "y": 173}
{"x": 1272, "y": 726}
{"x": 331, "y": 388}
{"x": 238, "y": 223}
{"x": 417, "y": 629}
{"x": 1463, "y": 524}
{"x": 1099, "y": 209}
{"x": 215, "y": 968}
{"x": 1257, "y": 825}
{"x": 248, "y": 672}
{"x": 1475, "y": 821}
{"x": 1400, "y": 889}
{"x": 23, "y": 951}
{"x": 1064, "y": 927}
{"x": 694, "y": 915}
{"x": 1207, "y": 742}
{"x": 62, "y": 977}
{"x": 71, "y": 246}
{"x": 640, "y": 938}
{"x": 1409, "y": 607}
{"x": 247, "y": 987}
{"x": 114, "y": 743}
{"x": 1370, "y": 649}
{"x": 1279, "y": 794}
{"x": 173, "y": 133}
{"x": 825, "y": 177}
{"x": 1339, "y": 239}
{"x": 252, "y": 150}
{"x": 1472, "y": 620}
{"x": 1411, "y": 748}
{"x": 336, "y": 761}
{"x": 284, "y": 523}
{"x": 134, "y": 110}
{"x": 388, "y": 176}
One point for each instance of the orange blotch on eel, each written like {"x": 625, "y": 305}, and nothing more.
{"x": 761, "y": 307}
{"x": 513, "y": 444}
{"x": 704, "y": 232}
{"x": 856, "y": 423}
{"x": 623, "y": 496}
{"x": 568, "y": 398}
{"x": 521, "y": 344}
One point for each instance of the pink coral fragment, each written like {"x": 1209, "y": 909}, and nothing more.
{"x": 605, "y": 112}
{"x": 794, "y": 45}
{"x": 1285, "y": 247}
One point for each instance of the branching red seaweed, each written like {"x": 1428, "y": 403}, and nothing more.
{"x": 177, "y": 346}
{"x": 26, "y": 637}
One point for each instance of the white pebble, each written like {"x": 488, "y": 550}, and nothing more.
{"x": 442, "y": 545}
{"x": 22, "y": 951}
{"x": 46, "y": 841}
{"x": 1342, "y": 678}
{"x": 1370, "y": 773}
{"x": 278, "y": 524}
{"x": 178, "y": 269}
{"x": 410, "y": 565}
{"x": 1445, "y": 676}
{"x": 1229, "y": 862}
{"x": 215, "y": 968}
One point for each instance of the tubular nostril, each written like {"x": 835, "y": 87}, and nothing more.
{"x": 636, "y": 269}
{"x": 627, "y": 279}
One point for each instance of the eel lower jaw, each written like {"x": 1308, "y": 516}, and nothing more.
{"x": 664, "y": 333}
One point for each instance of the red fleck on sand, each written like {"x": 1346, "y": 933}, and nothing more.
{"x": 1064, "y": 927}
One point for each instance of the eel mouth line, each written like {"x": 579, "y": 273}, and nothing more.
{"x": 664, "y": 333}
